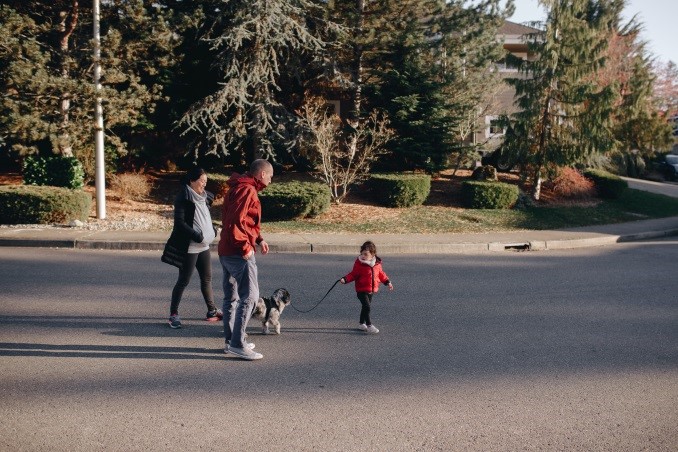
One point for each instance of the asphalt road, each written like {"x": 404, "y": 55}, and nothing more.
{"x": 661, "y": 188}
{"x": 571, "y": 350}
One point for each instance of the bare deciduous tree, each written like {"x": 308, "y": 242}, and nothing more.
{"x": 341, "y": 157}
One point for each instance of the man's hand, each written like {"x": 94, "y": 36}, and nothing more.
{"x": 248, "y": 255}
{"x": 264, "y": 247}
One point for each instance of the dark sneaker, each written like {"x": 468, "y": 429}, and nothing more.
{"x": 175, "y": 321}
{"x": 214, "y": 315}
{"x": 245, "y": 353}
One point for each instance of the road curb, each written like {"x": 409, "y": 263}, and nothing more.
{"x": 330, "y": 245}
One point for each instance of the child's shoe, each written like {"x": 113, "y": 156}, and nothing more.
{"x": 362, "y": 327}
{"x": 214, "y": 315}
{"x": 371, "y": 329}
{"x": 175, "y": 321}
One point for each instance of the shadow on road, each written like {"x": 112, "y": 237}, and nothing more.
{"x": 107, "y": 351}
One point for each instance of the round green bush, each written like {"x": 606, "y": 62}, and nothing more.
{"x": 28, "y": 204}
{"x": 401, "y": 190}
{"x": 56, "y": 171}
{"x": 290, "y": 200}
{"x": 489, "y": 195}
{"x": 608, "y": 185}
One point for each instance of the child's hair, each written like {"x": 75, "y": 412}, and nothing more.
{"x": 369, "y": 246}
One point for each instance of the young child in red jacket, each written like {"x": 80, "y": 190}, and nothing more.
{"x": 367, "y": 273}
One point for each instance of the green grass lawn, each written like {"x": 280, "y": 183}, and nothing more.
{"x": 633, "y": 205}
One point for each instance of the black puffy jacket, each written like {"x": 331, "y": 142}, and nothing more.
{"x": 177, "y": 245}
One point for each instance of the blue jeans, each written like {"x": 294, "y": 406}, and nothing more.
{"x": 241, "y": 292}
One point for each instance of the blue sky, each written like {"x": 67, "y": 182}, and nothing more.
{"x": 659, "y": 17}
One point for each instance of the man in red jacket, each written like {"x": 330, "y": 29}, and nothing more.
{"x": 240, "y": 234}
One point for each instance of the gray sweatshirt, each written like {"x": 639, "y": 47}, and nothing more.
{"x": 202, "y": 221}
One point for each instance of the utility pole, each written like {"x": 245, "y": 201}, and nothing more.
{"x": 100, "y": 179}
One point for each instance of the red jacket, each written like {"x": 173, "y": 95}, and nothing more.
{"x": 367, "y": 278}
{"x": 241, "y": 216}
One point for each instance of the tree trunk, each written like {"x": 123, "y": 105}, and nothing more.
{"x": 68, "y": 20}
{"x": 357, "y": 77}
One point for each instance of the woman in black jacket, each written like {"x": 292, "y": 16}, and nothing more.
{"x": 189, "y": 244}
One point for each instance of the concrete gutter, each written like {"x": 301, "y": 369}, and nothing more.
{"x": 51, "y": 237}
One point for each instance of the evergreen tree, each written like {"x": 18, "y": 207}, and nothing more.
{"x": 253, "y": 44}
{"x": 420, "y": 61}
{"x": 404, "y": 82}
{"x": 470, "y": 51}
{"x": 564, "y": 115}
{"x": 46, "y": 72}
{"x": 639, "y": 126}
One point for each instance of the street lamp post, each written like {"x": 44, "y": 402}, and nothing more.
{"x": 100, "y": 179}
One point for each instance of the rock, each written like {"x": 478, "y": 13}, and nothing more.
{"x": 76, "y": 224}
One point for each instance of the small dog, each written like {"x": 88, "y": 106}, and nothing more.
{"x": 269, "y": 309}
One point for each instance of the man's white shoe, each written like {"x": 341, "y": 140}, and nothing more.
{"x": 245, "y": 353}
{"x": 372, "y": 329}
{"x": 362, "y": 327}
{"x": 248, "y": 345}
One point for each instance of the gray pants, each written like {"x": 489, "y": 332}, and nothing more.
{"x": 241, "y": 292}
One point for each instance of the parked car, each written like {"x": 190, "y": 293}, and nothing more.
{"x": 669, "y": 167}
{"x": 498, "y": 160}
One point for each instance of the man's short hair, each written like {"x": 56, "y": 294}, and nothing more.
{"x": 260, "y": 164}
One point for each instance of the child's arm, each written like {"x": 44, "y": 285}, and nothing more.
{"x": 383, "y": 277}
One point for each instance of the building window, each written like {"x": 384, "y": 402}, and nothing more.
{"x": 493, "y": 127}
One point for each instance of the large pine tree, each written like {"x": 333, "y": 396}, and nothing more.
{"x": 564, "y": 115}
{"x": 46, "y": 73}
{"x": 253, "y": 43}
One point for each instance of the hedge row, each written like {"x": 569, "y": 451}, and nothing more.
{"x": 290, "y": 200}
{"x": 608, "y": 185}
{"x": 28, "y": 204}
{"x": 401, "y": 190}
{"x": 54, "y": 171}
{"x": 489, "y": 195}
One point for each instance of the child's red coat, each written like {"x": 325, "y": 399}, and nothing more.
{"x": 367, "y": 278}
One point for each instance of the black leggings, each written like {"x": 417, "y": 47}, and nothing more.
{"x": 365, "y": 300}
{"x": 201, "y": 261}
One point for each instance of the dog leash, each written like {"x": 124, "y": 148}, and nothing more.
{"x": 318, "y": 303}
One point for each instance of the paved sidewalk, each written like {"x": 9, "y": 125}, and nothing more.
{"x": 349, "y": 243}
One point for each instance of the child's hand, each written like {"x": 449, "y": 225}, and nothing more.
{"x": 342, "y": 280}
{"x": 390, "y": 286}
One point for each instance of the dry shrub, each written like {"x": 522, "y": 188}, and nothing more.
{"x": 131, "y": 186}
{"x": 571, "y": 184}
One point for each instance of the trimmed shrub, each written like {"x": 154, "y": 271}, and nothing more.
{"x": 608, "y": 185}
{"x": 25, "y": 204}
{"x": 571, "y": 184}
{"x": 485, "y": 172}
{"x": 489, "y": 195}
{"x": 55, "y": 171}
{"x": 290, "y": 200}
{"x": 132, "y": 186}
{"x": 401, "y": 190}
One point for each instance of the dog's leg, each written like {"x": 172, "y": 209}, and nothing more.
{"x": 265, "y": 327}
{"x": 275, "y": 321}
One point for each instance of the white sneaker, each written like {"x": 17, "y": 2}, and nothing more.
{"x": 245, "y": 353}
{"x": 362, "y": 327}
{"x": 372, "y": 329}
{"x": 248, "y": 345}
